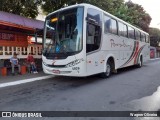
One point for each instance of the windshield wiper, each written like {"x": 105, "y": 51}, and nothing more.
{"x": 52, "y": 28}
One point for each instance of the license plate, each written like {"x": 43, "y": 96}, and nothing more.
{"x": 56, "y": 71}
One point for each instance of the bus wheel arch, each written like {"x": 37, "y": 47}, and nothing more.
{"x": 140, "y": 63}
{"x": 109, "y": 68}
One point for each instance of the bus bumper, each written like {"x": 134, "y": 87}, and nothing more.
{"x": 63, "y": 71}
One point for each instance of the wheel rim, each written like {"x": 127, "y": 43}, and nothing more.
{"x": 108, "y": 69}
{"x": 140, "y": 62}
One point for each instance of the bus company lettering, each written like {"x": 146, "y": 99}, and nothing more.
{"x": 113, "y": 44}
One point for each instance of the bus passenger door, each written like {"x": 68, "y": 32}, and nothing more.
{"x": 93, "y": 39}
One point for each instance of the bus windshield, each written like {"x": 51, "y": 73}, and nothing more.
{"x": 63, "y": 32}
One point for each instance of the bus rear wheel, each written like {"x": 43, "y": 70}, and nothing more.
{"x": 140, "y": 64}
{"x": 107, "y": 73}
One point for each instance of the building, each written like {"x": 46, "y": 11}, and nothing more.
{"x": 155, "y": 46}
{"x": 17, "y": 34}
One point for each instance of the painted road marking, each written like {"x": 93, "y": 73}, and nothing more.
{"x": 25, "y": 81}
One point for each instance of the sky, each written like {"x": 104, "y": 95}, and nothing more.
{"x": 153, "y": 8}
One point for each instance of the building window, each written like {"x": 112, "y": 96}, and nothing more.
{"x": 24, "y": 51}
{"x": 1, "y": 50}
{"x": 8, "y": 50}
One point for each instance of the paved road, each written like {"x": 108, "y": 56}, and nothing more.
{"x": 126, "y": 90}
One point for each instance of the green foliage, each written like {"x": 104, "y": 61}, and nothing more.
{"x": 49, "y": 6}
{"x": 154, "y": 37}
{"x": 110, "y": 6}
{"x": 27, "y": 8}
{"x": 138, "y": 16}
{"x": 123, "y": 13}
{"x": 107, "y": 5}
{"x": 129, "y": 12}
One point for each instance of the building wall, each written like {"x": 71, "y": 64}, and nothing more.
{"x": 15, "y": 42}
{"x": 9, "y": 38}
{"x": 152, "y": 52}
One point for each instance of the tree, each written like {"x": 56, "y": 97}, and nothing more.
{"x": 49, "y": 6}
{"x": 154, "y": 37}
{"x": 110, "y": 6}
{"x": 139, "y": 16}
{"x": 129, "y": 12}
{"x": 154, "y": 32}
{"x": 123, "y": 13}
{"x": 107, "y": 5}
{"x": 27, "y": 8}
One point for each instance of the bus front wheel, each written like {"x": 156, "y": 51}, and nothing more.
{"x": 107, "y": 73}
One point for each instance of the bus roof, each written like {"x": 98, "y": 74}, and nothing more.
{"x": 92, "y": 6}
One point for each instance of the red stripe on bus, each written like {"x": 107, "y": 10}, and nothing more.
{"x": 137, "y": 47}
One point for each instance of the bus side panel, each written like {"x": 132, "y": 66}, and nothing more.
{"x": 96, "y": 62}
{"x": 121, "y": 48}
{"x": 139, "y": 49}
{"x": 146, "y": 53}
{"x": 124, "y": 55}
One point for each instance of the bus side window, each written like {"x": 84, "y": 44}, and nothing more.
{"x": 90, "y": 35}
{"x": 137, "y": 35}
{"x": 110, "y": 25}
{"x": 131, "y": 33}
{"x": 93, "y": 30}
{"x": 93, "y": 40}
{"x": 114, "y": 27}
{"x": 147, "y": 39}
{"x": 143, "y": 38}
{"x": 125, "y": 30}
{"x": 107, "y": 24}
{"x": 120, "y": 29}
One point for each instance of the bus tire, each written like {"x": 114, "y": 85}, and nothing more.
{"x": 108, "y": 71}
{"x": 140, "y": 64}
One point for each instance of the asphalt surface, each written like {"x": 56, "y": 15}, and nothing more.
{"x": 10, "y": 78}
{"x": 124, "y": 91}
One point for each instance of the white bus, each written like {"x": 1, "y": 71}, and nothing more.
{"x": 83, "y": 40}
